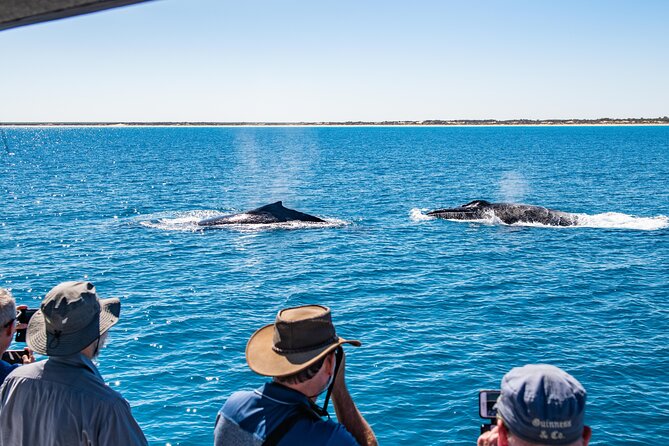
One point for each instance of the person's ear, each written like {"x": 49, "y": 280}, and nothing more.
{"x": 587, "y": 433}
{"x": 503, "y": 434}
{"x": 329, "y": 363}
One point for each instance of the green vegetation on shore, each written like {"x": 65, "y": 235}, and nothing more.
{"x": 432, "y": 122}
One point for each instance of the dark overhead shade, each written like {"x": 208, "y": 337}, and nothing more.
{"x": 15, "y": 13}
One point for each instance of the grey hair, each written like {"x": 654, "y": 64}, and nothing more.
{"x": 303, "y": 375}
{"x": 7, "y": 306}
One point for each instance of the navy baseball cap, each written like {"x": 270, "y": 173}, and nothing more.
{"x": 542, "y": 403}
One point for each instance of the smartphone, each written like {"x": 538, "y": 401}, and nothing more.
{"x": 487, "y": 399}
{"x": 23, "y": 317}
{"x": 14, "y": 356}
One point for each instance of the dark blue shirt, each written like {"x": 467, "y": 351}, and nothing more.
{"x": 5, "y": 369}
{"x": 257, "y": 413}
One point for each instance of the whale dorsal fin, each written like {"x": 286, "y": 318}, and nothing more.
{"x": 269, "y": 207}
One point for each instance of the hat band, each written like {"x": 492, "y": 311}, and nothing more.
{"x": 288, "y": 351}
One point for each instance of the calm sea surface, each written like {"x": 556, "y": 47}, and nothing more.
{"x": 443, "y": 308}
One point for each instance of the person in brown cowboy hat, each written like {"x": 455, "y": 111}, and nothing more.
{"x": 304, "y": 355}
{"x": 64, "y": 400}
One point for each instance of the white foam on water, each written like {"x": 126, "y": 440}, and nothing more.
{"x": 419, "y": 215}
{"x": 177, "y": 221}
{"x": 616, "y": 220}
{"x": 187, "y": 221}
{"x": 288, "y": 225}
{"x": 608, "y": 220}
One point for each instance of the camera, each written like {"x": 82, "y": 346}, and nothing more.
{"x": 23, "y": 317}
{"x": 487, "y": 400}
{"x": 15, "y": 356}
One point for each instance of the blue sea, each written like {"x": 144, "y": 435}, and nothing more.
{"x": 443, "y": 308}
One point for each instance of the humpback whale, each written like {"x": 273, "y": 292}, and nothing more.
{"x": 271, "y": 213}
{"x": 509, "y": 213}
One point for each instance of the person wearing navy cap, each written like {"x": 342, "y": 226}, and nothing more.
{"x": 539, "y": 405}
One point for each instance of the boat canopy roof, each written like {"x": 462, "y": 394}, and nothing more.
{"x": 15, "y": 13}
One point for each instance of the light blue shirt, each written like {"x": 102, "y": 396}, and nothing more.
{"x": 64, "y": 401}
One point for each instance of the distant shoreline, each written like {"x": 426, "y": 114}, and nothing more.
{"x": 427, "y": 123}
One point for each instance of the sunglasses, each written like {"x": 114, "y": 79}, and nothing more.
{"x": 10, "y": 323}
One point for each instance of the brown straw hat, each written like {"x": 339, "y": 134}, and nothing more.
{"x": 70, "y": 317}
{"x": 299, "y": 337}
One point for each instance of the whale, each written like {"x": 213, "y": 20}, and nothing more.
{"x": 508, "y": 213}
{"x": 271, "y": 213}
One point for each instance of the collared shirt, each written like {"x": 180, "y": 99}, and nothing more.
{"x": 5, "y": 369}
{"x": 249, "y": 416}
{"x": 64, "y": 402}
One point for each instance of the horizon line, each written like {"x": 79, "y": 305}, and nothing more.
{"x": 425, "y": 122}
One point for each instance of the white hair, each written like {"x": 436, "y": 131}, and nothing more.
{"x": 7, "y": 306}
{"x": 97, "y": 344}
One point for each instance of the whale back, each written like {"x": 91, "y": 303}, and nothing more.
{"x": 511, "y": 213}
{"x": 508, "y": 213}
{"x": 282, "y": 214}
{"x": 270, "y": 213}
{"x": 476, "y": 204}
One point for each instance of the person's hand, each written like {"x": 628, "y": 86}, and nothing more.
{"x": 340, "y": 379}
{"x": 28, "y": 357}
{"x": 18, "y": 326}
{"x": 489, "y": 438}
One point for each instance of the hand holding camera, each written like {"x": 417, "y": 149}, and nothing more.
{"x": 22, "y": 318}
{"x": 487, "y": 411}
{"x": 24, "y": 356}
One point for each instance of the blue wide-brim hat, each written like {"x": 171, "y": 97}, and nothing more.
{"x": 70, "y": 317}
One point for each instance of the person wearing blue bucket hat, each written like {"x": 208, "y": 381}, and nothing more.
{"x": 64, "y": 400}
{"x": 539, "y": 405}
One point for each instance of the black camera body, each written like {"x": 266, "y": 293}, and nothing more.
{"x": 23, "y": 317}
{"x": 15, "y": 356}
{"x": 487, "y": 400}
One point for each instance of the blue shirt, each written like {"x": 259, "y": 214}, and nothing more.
{"x": 5, "y": 369}
{"x": 249, "y": 416}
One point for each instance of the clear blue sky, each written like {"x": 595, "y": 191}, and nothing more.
{"x": 294, "y": 60}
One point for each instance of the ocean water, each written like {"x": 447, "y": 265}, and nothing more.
{"x": 442, "y": 308}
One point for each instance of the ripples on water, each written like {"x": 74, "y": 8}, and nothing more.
{"x": 443, "y": 308}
